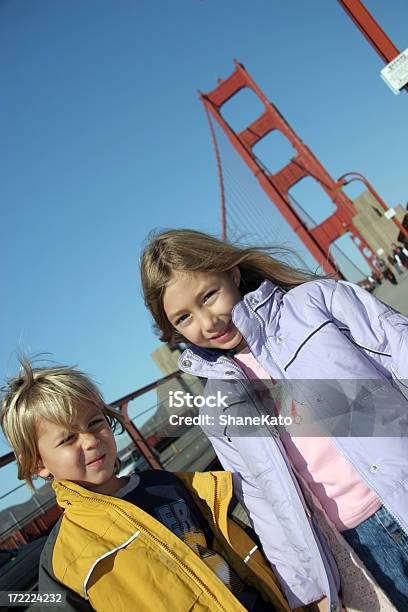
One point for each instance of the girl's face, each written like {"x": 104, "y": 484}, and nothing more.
{"x": 199, "y": 305}
{"x": 86, "y": 455}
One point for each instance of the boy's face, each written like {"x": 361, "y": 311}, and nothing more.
{"x": 87, "y": 458}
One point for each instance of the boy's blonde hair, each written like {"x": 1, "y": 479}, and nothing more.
{"x": 54, "y": 394}
{"x": 192, "y": 251}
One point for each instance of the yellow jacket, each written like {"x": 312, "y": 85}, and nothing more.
{"x": 118, "y": 557}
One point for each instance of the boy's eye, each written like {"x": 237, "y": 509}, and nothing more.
{"x": 96, "y": 422}
{"x": 67, "y": 438}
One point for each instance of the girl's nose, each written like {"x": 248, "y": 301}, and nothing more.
{"x": 209, "y": 321}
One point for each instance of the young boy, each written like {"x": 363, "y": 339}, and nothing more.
{"x": 153, "y": 541}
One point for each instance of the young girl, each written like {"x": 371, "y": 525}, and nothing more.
{"x": 246, "y": 315}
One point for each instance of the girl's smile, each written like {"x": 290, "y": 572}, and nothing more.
{"x": 199, "y": 306}
{"x": 225, "y": 333}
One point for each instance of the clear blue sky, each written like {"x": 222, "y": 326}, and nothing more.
{"x": 103, "y": 138}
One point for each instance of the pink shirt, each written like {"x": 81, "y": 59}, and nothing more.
{"x": 345, "y": 498}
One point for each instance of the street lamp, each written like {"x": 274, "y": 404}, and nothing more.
{"x": 349, "y": 177}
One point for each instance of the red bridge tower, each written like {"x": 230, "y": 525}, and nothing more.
{"x": 319, "y": 238}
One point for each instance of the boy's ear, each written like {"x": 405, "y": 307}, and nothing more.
{"x": 41, "y": 470}
{"x": 44, "y": 473}
{"x": 236, "y": 275}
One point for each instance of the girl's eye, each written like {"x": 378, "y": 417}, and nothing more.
{"x": 209, "y": 295}
{"x": 181, "y": 319}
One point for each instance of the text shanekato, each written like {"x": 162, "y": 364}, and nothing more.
{"x": 230, "y": 419}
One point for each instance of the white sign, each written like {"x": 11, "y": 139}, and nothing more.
{"x": 390, "y": 213}
{"x": 395, "y": 74}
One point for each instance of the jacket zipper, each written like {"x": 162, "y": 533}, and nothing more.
{"x": 230, "y": 362}
{"x": 306, "y": 510}
{"x": 295, "y": 485}
{"x": 265, "y": 338}
{"x": 243, "y": 375}
{"x": 299, "y": 495}
{"x": 158, "y": 542}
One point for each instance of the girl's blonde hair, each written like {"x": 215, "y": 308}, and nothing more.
{"x": 54, "y": 394}
{"x": 192, "y": 251}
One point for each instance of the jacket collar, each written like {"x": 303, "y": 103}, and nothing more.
{"x": 256, "y": 299}
{"x": 213, "y": 489}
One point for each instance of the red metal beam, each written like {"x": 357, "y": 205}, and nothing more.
{"x": 128, "y": 398}
{"x": 371, "y": 29}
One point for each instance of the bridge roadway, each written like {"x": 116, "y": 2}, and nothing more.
{"x": 192, "y": 451}
{"x": 395, "y": 295}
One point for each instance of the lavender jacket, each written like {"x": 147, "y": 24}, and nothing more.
{"x": 326, "y": 330}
